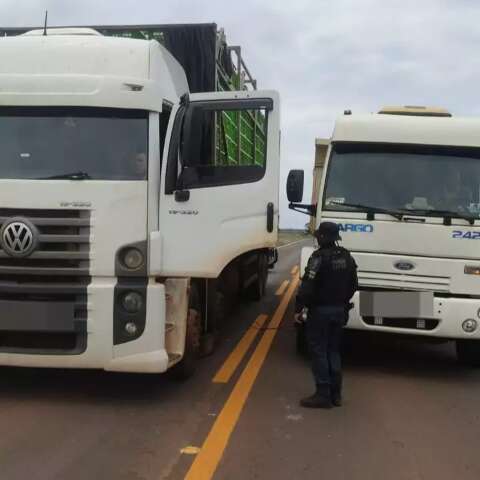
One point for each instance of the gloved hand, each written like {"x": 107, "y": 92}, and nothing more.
{"x": 300, "y": 317}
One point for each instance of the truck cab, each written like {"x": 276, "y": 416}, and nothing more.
{"x": 127, "y": 202}
{"x": 402, "y": 185}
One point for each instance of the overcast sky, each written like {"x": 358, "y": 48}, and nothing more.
{"x": 322, "y": 56}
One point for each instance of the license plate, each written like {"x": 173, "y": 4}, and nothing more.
{"x": 396, "y": 304}
{"x": 35, "y": 316}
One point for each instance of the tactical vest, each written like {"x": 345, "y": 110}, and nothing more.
{"x": 332, "y": 271}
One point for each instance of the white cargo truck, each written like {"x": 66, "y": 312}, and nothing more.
{"x": 404, "y": 187}
{"x": 131, "y": 209}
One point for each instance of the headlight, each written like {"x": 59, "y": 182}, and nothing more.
{"x": 132, "y": 258}
{"x": 132, "y": 302}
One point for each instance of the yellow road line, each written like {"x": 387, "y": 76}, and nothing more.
{"x": 294, "y": 270}
{"x": 234, "y": 359}
{"x": 282, "y": 288}
{"x": 207, "y": 460}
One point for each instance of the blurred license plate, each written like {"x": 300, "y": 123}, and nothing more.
{"x": 396, "y": 304}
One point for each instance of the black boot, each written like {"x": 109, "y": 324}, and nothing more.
{"x": 337, "y": 398}
{"x": 320, "y": 399}
{"x": 336, "y": 390}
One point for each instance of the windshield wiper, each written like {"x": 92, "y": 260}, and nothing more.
{"x": 69, "y": 176}
{"x": 372, "y": 210}
{"x": 446, "y": 214}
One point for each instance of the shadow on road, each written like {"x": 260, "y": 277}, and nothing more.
{"x": 85, "y": 386}
{"x": 403, "y": 356}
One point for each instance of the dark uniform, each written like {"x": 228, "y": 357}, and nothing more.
{"x": 328, "y": 284}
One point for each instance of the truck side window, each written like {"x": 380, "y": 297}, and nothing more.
{"x": 223, "y": 146}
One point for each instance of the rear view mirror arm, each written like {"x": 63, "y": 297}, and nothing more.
{"x": 305, "y": 208}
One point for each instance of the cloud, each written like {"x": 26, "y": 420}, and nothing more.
{"x": 322, "y": 56}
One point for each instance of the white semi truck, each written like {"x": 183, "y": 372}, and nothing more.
{"x": 404, "y": 187}
{"x": 131, "y": 209}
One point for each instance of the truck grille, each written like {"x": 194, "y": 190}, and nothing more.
{"x": 57, "y": 272}
{"x": 403, "y": 281}
{"x": 63, "y": 250}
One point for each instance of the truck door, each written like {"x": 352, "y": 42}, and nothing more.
{"x": 220, "y": 180}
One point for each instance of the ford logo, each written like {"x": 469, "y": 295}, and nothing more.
{"x": 404, "y": 265}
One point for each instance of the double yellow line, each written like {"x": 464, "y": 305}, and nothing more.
{"x": 283, "y": 286}
{"x": 207, "y": 460}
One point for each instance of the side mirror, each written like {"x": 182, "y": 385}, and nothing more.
{"x": 295, "y": 186}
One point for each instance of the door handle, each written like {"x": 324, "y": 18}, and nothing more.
{"x": 270, "y": 217}
{"x": 182, "y": 195}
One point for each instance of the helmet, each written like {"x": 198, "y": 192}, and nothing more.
{"x": 327, "y": 232}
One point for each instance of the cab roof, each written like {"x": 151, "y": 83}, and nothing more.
{"x": 80, "y": 67}
{"x": 421, "y": 130}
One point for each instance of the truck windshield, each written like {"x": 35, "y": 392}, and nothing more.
{"x": 58, "y": 143}
{"x": 426, "y": 180}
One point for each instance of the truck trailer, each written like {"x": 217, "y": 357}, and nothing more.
{"x": 138, "y": 194}
{"x": 403, "y": 186}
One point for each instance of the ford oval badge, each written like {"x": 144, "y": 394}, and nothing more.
{"x": 404, "y": 265}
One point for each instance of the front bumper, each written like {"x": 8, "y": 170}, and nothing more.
{"x": 449, "y": 314}
{"x": 146, "y": 354}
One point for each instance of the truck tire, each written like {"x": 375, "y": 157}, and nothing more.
{"x": 257, "y": 289}
{"x": 468, "y": 352}
{"x": 216, "y": 316}
{"x": 216, "y": 309}
{"x": 186, "y": 367}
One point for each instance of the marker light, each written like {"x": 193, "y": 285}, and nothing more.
{"x": 133, "y": 87}
{"x": 472, "y": 269}
{"x": 469, "y": 325}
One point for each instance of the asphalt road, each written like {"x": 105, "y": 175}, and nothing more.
{"x": 410, "y": 412}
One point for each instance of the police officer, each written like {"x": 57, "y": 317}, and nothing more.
{"x": 328, "y": 284}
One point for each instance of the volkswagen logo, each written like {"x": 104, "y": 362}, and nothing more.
{"x": 18, "y": 237}
{"x": 404, "y": 265}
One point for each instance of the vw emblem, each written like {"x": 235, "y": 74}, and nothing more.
{"x": 18, "y": 237}
{"x": 404, "y": 265}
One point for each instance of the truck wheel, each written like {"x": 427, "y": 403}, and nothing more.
{"x": 217, "y": 306}
{"x": 188, "y": 364}
{"x": 468, "y": 352}
{"x": 257, "y": 289}
{"x": 216, "y": 317}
